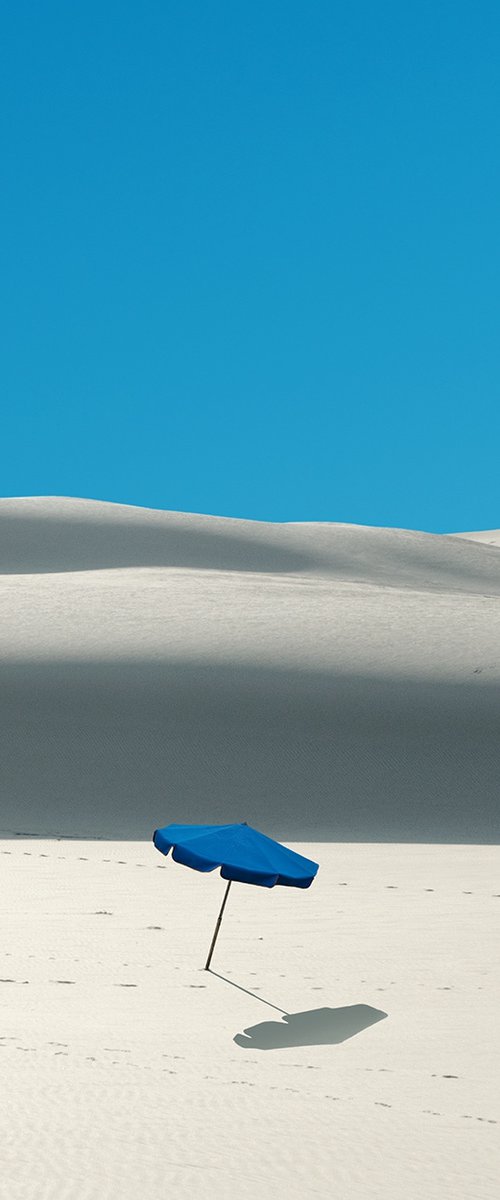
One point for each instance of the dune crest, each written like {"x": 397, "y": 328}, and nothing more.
{"x": 58, "y": 534}
{"x": 331, "y": 681}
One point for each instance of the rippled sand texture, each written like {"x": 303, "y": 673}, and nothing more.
{"x": 129, "y": 1071}
{"x": 336, "y": 686}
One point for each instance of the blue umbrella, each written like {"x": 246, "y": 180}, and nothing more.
{"x": 242, "y": 853}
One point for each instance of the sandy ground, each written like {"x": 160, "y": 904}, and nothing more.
{"x": 121, "y": 1073}
{"x": 337, "y": 687}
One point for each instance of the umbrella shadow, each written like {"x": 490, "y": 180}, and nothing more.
{"x": 247, "y": 991}
{"x": 315, "y": 1027}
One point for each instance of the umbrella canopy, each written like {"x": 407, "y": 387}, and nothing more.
{"x": 243, "y": 855}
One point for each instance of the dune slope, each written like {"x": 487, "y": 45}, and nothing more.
{"x": 333, "y": 681}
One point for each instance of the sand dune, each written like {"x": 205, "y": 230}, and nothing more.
{"x": 52, "y": 534}
{"x": 342, "y": 682}
{"x": 336, "y": 686}
{"x": 487, "y": 537}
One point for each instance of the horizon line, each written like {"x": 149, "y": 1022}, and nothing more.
{"x": 249, "y": 520}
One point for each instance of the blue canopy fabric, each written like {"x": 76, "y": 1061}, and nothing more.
{"x": 242, "y": 853}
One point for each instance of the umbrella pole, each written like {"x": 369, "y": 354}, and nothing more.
{"x": 217, "y": 927}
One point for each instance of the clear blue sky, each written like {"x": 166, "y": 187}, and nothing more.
{"x": 251, "y": 258}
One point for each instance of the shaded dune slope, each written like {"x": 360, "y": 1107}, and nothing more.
{"x": 100, "y": 740}
{"x": 115, "y": 750}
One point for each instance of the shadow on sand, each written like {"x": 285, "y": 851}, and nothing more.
{"x": 316, "y": 1027}
{"x": 227, "y": 736}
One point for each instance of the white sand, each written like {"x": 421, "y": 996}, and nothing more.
{"x": 336, "y": 686}
{"x": 330, "y": 681}
{"x": 488, "y": 537}
{"x": 113, "y": 1090}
